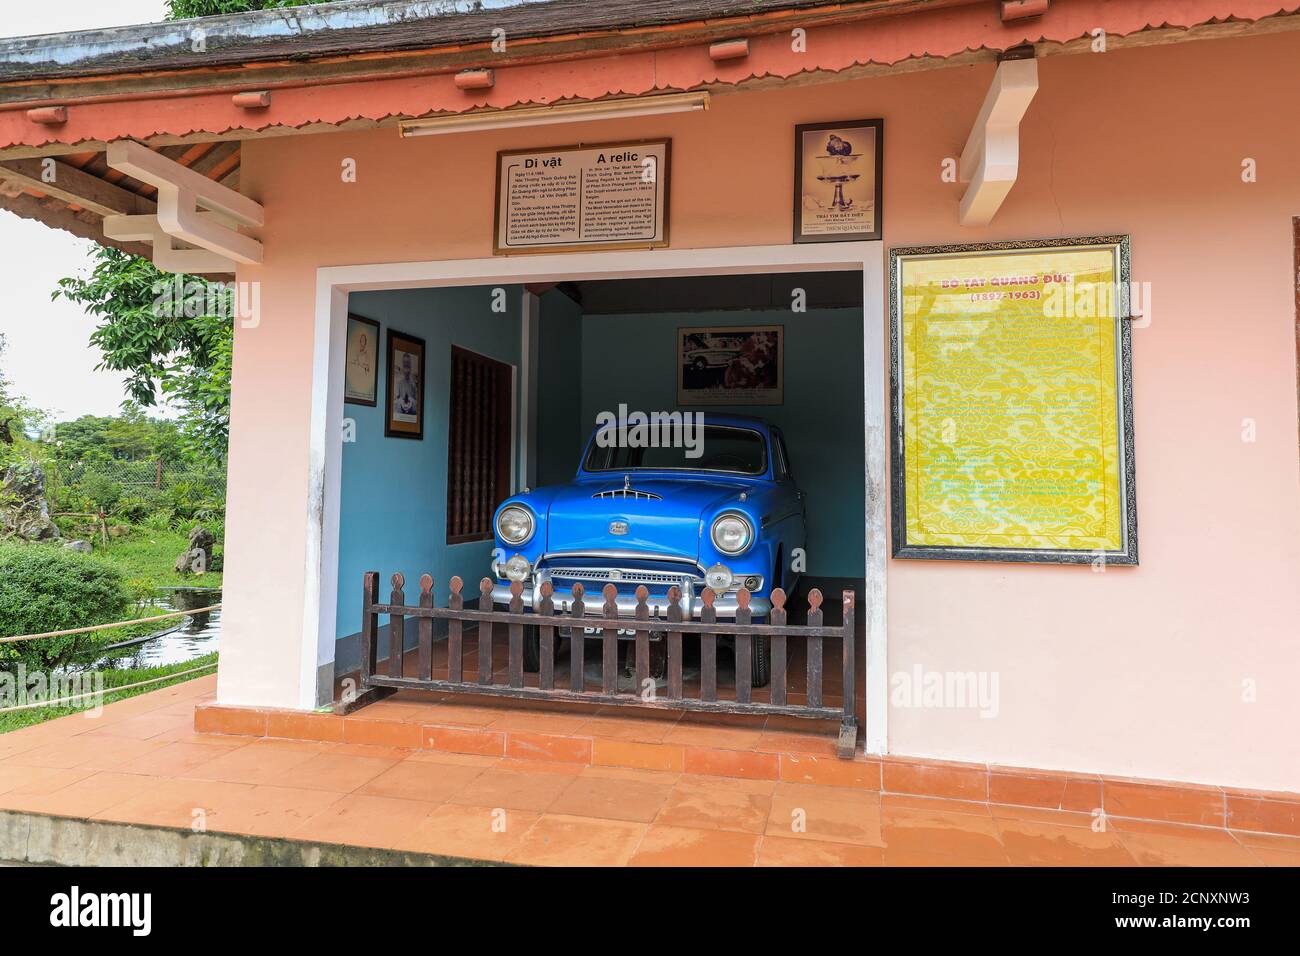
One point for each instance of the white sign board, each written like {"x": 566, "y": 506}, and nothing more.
{"x": 612, "y": 196}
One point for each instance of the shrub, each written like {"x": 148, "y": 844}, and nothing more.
{"x": 46, "y": 588}
{"x": 132, "y": 509}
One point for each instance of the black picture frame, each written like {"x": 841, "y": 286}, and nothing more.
{"x": 878, "y": 127}
{"x": 374, "y": 377}
{"x": 400, "y": 345}
{"x": 1127, "y": 554}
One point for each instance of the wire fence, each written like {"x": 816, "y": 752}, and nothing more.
{"x": 141, "y": 475}
{"x": 145, "y": 484}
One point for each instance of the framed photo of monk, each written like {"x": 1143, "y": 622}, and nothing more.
{"x": 361, "y": 370}
{"x": 838, "y": 180}
{"x": 404, "y": 415}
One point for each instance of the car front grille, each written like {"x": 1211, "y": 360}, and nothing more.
{"x": 625, "y": 576}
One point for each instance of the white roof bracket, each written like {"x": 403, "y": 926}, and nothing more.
{"x": 167, "y": 255}
{"x": 182, "y": 192}
{"x": 991, "y": 160}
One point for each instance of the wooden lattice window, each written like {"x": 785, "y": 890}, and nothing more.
{"x": 478, "y": 452}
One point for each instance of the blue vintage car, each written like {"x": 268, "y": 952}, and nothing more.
{"x": 724, "y": 514}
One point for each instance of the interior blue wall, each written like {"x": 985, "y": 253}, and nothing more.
{"x": 633, "y": 359}
{"x": 394, "y": 490}
{"x": 561, "y": 428}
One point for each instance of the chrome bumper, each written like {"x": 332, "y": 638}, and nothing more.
{"x": 726, "y": 605}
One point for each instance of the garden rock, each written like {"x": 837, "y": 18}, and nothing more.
{"x": 83, "y": 546}
{"x": 24, "y": 512}
{"x": 198, "y": 558}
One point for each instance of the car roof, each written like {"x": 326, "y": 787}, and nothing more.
{"x": 720, "y": 418}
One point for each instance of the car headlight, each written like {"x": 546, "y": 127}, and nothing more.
{"x": 515, "y": 524}
{"x": 518, "y": 568}
{"x": 718, "y": 578}
{"x": 732, "y": 533}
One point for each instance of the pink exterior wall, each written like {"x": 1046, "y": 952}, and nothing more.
{"x": 1135, "y": 671}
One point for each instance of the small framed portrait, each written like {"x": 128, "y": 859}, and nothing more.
{"x": 405, "y": 398}
{"x": 838, "y": 180}
{"x": 361, "y": 372}
{"x": 731, "y": 365}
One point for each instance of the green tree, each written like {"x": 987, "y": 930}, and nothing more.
{"x": 182, "y": 356}
{"x": 17, "y": 419}
{"x": 166, "y": 349}
{"x": 186, "y": 9}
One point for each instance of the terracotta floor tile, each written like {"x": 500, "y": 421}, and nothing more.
{"x": 90, "y": 753}
{"x": 540, "y": 766}
{"x": 964, "y": 835}
{"x": 900, "y": 857}
{"x": 831, "y": 821}
{"x": 177, "y": 803}
{"x": 905, "y": 801}
{"x": 473, "y": 832}
{"x": 459, "y": 715}
{"x": 336, "y": 772}
{"x": 788, "y": 742}
{"x": 1204, "y": 806}
{"x": 556, "y": 840}
{"x": 18, "y": 742}
{"x": 804, "y": 791}
{"x": 145, "y": 726}
{"x": 17, "y": 783}
{"x": 686, "y": 846}
{"x": 735, "y": 784}
{"x": 530, "y": 745}
{"x": 709, "y": 735}
{"x": 365, "y": 820}
{"x": 789, "y": 851}
{"x": 270, "y": 811}
{"x": 446, "y": 757}
{"x": 612, "y": 798}
{"x": 1043, "y": 844}
{"x": 1270, "y": 841}
{"x": 175, "y": 759}
{"x": 715, "y": 808}
{"x": 664, "y": 778}
{"x": 512, "y": 790}
{"x": 376, "y": 751}
{"x": 422, "y": 780}
{"x": 1060, "y": 818}
{"x": 1185, "y": 847}
{"x": 643, "y": 730}
{"x": 638, "y": 754}
{"x": 260, "y": 762}
{"x": 540, "y": 723}
{"x": 87, "y": 796}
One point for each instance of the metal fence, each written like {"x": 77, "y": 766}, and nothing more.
{"x": 142, "y": 478}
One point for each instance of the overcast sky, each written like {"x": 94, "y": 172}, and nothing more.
{"x": 49, "y": 358}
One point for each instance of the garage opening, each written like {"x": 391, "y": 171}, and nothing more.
{"x": 513, "y": 382}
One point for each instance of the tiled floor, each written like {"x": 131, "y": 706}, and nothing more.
{"x": 141, "y": 762}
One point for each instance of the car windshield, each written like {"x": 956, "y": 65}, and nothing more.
{"x": 717, "y": 448}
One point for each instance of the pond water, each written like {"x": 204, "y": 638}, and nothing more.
{"x": 181, "y": 640}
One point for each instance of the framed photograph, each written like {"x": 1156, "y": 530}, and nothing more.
{"x": 731, "y": 365}
{"x": 405, "y": 400}
{"x": 361, "y": 371}
{"x": 837, "y": 180}
{"x": 1012, "y": 402}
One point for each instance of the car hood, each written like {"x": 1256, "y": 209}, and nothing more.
{"x": 666, "y": 524}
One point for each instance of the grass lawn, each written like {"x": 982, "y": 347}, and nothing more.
{"x": 112, "y": 678}
{"x": 147, "y": 560}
